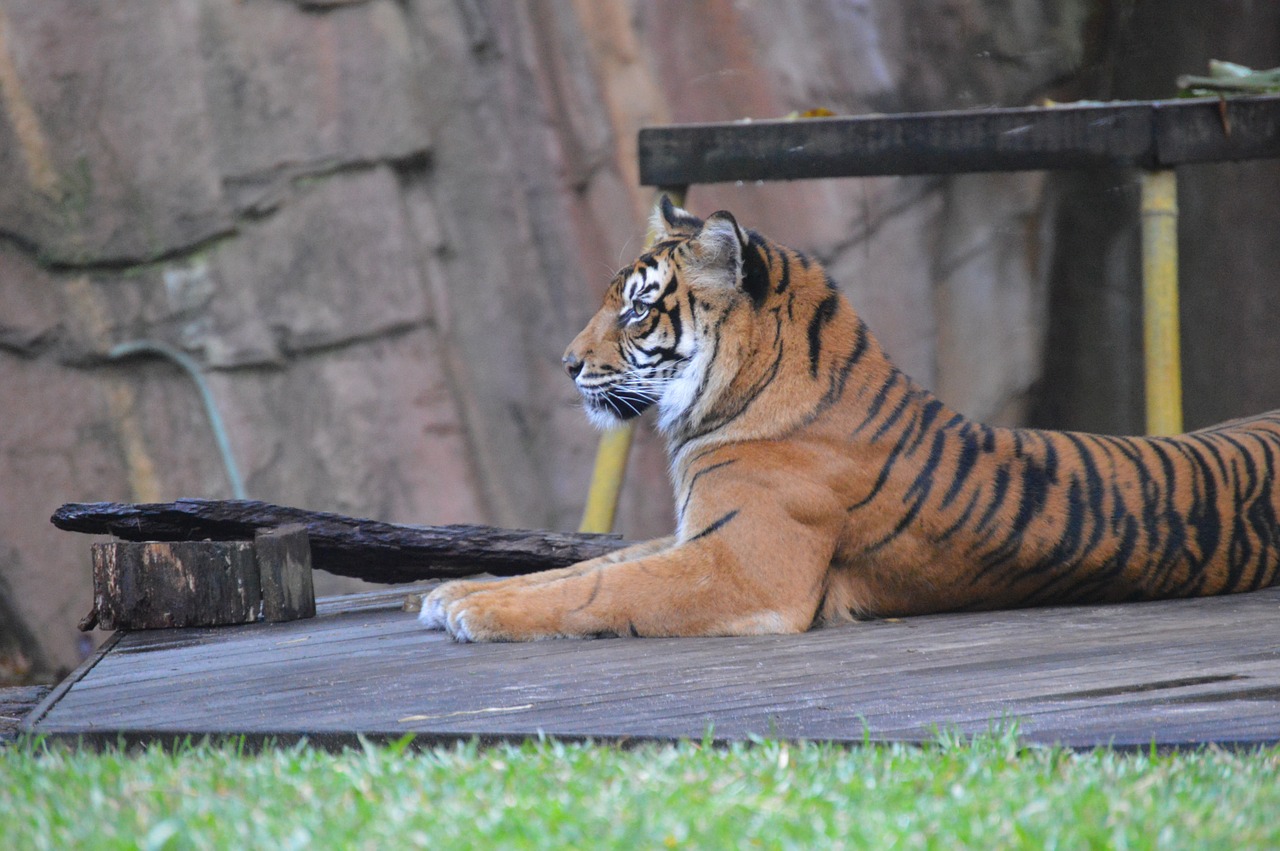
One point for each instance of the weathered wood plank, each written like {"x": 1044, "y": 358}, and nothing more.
{"x": 1174, "y": 672}
{"x": 1142, "y": 134}
{"x": 284, "y": 568}
{"x": 1213, "y": 130}
{"x": 174, "y": 584}
{"x": 16, "y": 702}
{"x": 348, "y": 546}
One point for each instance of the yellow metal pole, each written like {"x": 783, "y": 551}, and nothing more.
{"x": 615, "y": 444}
{"x": 1160, "y": 302}
{"x": 606, "y": 478}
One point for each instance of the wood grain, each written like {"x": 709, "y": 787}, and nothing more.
{"x": 1138, "y": 134}
{"x": 174, "y": 583}
{"x": 348, "y": 546}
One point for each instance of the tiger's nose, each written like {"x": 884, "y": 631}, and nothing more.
{"x": 572, "y": 364}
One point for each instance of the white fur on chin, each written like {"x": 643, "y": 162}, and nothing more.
{"x": 680, "y": 394}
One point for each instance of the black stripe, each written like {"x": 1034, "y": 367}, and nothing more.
{"x": 882, "y": 396}
{"x": 591, "y": 598}
{"x": 694, "y": 480}
{"x": 1240, "y": 548}
{"x": 963, "y": 519}
{"x": 820, "y": 318}
{"x": 919, "y": 489}
{"x": 898, "y": 452}
{"x": 1262, "y": 518}
{"x": 984, "y": 527}
{"x": 1173, "y": 525}
{"x": 714, "y": 331}
{"x": 745, "y": 400}
{"x": 1068, "y": 543}
{"x": 923, "y": 421}
{"x": 1094, "y": 487}
{"x": 894, "y": 415}
{"x": 840, "y": 377}
{"x": 784, "y": 278}
{"x": 755, "y": 271}
{"x": 964, "y": 465}
{"x": 716, "y": 525}
{"x": 1202, "y": 518}
{"x": 1036, "y": 478}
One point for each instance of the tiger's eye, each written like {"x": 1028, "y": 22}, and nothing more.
{"x": 639, "y": 308}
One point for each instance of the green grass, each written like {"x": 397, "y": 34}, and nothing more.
{"x": 986, "y": 793}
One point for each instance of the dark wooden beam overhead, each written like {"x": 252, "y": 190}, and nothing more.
{"x": 1213, "y": 130}
{"x": 1142, "y": 134}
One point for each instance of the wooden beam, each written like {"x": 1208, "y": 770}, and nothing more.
{"x": 1214, "y": 130}
{"x": 1141, "y": 134}
{"x": 348, "y": 546}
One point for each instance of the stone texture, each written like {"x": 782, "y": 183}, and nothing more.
{"x": 106, "y": 147}
{"x": 333, "y": 266}
{"x": 293, "y": 89}
{"x": 57, "y": 442}
{"x": 30, "y": 323}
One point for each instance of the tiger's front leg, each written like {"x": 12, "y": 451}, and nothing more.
{"x": 435, "y": 603}
{"x": 762, "y": 579}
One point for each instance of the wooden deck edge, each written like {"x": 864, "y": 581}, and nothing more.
{"x": 16, "y": 702}
{"x": 382, "y": 598}
{"x": 334, "y": 741}
{"x": 27, "y": 725}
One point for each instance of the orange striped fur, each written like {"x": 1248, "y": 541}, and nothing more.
{"x": 814, "y": 480}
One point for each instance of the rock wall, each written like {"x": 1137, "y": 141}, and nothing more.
{"x": 375, "y": 224}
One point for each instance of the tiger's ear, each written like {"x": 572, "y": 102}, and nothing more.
{"x": 668, "y": 221}
{"x": 717, "y": 250}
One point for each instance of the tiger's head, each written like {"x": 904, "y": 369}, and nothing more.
{"x": 653, "y": 341}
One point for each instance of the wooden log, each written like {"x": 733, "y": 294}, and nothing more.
{"x": 366, "y": 549}
{"x": 284, "y": 568}
{"x": 175, "y": 583}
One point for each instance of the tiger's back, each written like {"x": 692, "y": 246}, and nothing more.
{"x": 815, "y": 480}
{"x": 996, "y": 518}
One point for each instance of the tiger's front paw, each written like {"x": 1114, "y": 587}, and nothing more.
{"x": 503, "y": 614}
{"x": 435, "y": 604}
{"x": 471, "y": 618}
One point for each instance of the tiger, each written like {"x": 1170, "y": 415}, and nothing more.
{"x": 815, "y": 481}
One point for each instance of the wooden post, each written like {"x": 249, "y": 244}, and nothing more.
{"x": 158, "y": 584}
{"x": 175, "y": 583}
{"x": 284, "y": 568}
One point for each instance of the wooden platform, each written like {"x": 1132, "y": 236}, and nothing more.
{"x": 15, "y": 704}
{"x": 1174, "y": 673}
